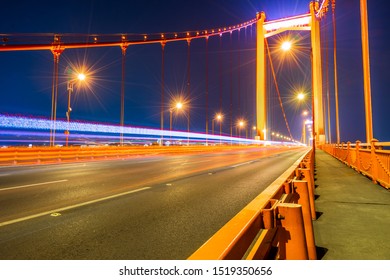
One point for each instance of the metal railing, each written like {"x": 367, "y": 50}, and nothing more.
{"x": 48, "y": 155}
{"x": 371, "y": 160}
{"x": 277, "y": 224}
{"x": 51, "y": 155}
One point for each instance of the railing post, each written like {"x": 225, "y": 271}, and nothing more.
{"x": 59, "y": 157}
{"x": 39, "y": 156}
{"x": 374, "y": 168}
{"x": 358, "y": 156}
{"x": 338, "y": 150}
{"x": 15, "y": 158}
{"x": 301, "y": 189}
{"x": 349, "y": 154}
{"x": 291, "y": 234}
{"x": 307, "y": 176}
{"x": 268, "y": 215}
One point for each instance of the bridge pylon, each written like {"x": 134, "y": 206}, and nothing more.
{"x": 261, "y": 104}
{"x": 308, "y": 22}
{"x": 318, "y": 113}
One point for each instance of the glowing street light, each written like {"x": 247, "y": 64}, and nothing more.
{"x": 81, "y": 76}
{"x": 286, "y": 46}
{"x": 300, "y": 96}
{"x": 179, "y": 105}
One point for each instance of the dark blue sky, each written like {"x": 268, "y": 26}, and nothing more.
{"x": 26, "y": 77}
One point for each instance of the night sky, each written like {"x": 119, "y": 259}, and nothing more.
{"x": 26, "y": 76}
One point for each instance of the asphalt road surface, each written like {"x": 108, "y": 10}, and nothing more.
{"x": 144, "y": 208}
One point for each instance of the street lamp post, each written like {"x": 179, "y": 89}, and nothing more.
{"x": 188, "y": 127}
{"x": 218, "y": 117}
{"x": 70, "y": 90}
{"x": 242, "y": 124}
{"x": 170, "y": 119}
{"x": 71, "y": 82}
{"x": 178, "y": 106}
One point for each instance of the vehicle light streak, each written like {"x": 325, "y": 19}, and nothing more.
{"x": 39, "y": 125}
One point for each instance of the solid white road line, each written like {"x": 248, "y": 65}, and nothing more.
{"x": 34, "y": 185}
{"x": 70, "y": 207}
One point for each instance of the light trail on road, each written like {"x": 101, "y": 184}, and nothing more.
{"x": 37, "y": 127}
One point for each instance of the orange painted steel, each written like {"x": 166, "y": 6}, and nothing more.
{"x": 366, "y": 69}
{"x": 76, "y": 41}
{"x": 305, "y": 201}
{"x": 308, "y": 176}
{"x": 50, "y": 155}
{"x": 272, "y": 226}
{"x": 370, "y": 159}
{"x": 291, "y": 234}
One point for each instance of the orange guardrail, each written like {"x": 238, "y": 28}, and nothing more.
{"x": 371, "y": 160}
{"x": 277, "y": 224}
{"x": 49, "y": 155}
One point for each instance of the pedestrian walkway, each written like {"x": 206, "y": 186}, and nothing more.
{"x": 353, "y": 214}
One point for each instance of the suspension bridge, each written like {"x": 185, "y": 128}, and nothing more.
{"x": 225, "y": 171}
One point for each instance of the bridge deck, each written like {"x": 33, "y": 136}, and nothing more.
{"x": 353, "y": 214}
